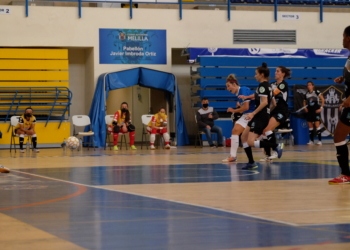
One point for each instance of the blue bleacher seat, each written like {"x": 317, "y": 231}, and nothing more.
{"x": 296, "y": 2}
{"x": 267, "y": 1}
{"x": 236, "y": 1}
{"x": 328, "y": 2}
{"x": 340, "y": 2}
{"x": 214, "y": 70}
{"x": 308, "y": 2}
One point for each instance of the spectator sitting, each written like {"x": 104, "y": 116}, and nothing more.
{"x": 158, "y": 124}
{"x": 26, "y": 126}
{"x": 205, "y": 120}
{"x": 122, "y": 124}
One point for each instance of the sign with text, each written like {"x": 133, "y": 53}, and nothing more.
{"x": 132, "y": 46}
{"x": 5, "y": 10}
{"x": 289, "y": 16}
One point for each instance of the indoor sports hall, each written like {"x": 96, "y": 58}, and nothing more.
{"x": 78, "y": 182}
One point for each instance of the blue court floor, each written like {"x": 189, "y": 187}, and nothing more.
{"x": 104, "y": 219}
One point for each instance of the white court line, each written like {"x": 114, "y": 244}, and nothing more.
{"x": 301, "y": 211}
{"x": 157, "y": 198}
{"x": 325, "y": 224}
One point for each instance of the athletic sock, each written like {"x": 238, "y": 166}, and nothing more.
{"x": 319, "y": 132}
{"x": 34, "y": 141}
{"x": 248, "y": 151}
{"x": 234, "y": 145}
{"x": 311, "y": 134}
{"x": 21, "y": 141}
{"x": 343, "y": 157}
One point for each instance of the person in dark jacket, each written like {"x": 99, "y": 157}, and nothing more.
{"x": 205, "y": 120}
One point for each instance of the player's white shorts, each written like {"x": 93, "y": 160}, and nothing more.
{"x": 242, "y": 121}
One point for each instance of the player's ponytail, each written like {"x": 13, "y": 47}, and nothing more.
{"x": 287, "y": 72}
{"x": 263, "y": 69}
{"x": 232, "y": 79}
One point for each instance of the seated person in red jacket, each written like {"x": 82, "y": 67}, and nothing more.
{"x": 122, "y": 124}
{"x": 158, "y": 125}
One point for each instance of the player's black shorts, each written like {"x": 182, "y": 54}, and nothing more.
{"x": 280, "y": 116}
{"x": 312, "y": 116}
{"x": 345, "y": 116}
{"x": 259, "y": 123}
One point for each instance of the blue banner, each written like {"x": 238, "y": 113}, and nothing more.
{"x": 132, "y": 46}
{"x": 259, "y": 52}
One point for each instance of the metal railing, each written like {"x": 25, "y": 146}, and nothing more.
{"x": 275, "y": 3}
{"x": 48, "y": 103}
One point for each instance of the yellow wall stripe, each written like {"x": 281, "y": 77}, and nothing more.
{"x": 34, "y": 75}
{"x": 33, "y": 64}
{"x": 34, "y": 53}
{"x": 49, "y": 134}
{"x": 34, "y": 84}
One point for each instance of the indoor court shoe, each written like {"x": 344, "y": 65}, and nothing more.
{"x": 230, "y": 159}
{"x": 341, "y": 179}
{"x": 36, "y": 150}
{"x": 212, "y": 146}
{"x": 167, "y": 146}
{"x": 266, "y": 159}
{"x": 4, "y": 170}
{"x": 116, "y": 148}
{"x": 152, "y": 147}
{"x": 319, "y": 143}
{"x": 133, "y": 147}
{"x": 220, "y": 146}
{"x": 21, "y": 151}
{"x": 250, "y": 166}
{"x": 274, "y": 155}
{"x": 310, "y": 143}
{"x": 279, "y": 150}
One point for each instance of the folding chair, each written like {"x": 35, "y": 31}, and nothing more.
{"x": 14, "y": 122}
{"x": 83, "y": 121}
{"x": 145, "y": 121}
{"x": 108, "y": 120}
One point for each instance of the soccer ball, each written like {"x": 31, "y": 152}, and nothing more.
{"x": 72, "y": 142}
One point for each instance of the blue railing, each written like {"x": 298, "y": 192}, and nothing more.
{"x": 275, "y": 3}
{"x": 49, "y": 103}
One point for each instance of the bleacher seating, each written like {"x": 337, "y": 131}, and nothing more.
{"x": 213, "y": 70}
{"x": 49, "y": 103}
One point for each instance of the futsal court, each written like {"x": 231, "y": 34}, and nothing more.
{"x": 182, "y": 198}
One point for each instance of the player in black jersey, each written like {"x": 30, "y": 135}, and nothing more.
{"x": 259, "y": 118}
{"x": 279, "y": 112}
{"x": 343, "y": 127}
{"x": 313, "y": 110}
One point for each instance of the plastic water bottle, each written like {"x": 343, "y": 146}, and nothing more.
{"x": 224, "y": 141}
{"x": 27, "y": 146}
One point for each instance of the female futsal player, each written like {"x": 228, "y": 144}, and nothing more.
{"x": 343, "y": 127}
{"x": 259, "y": 118}
{"x": 245, "y": 106}
{"x": 279, "y": 114}
{"x": 313, "y": 110}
